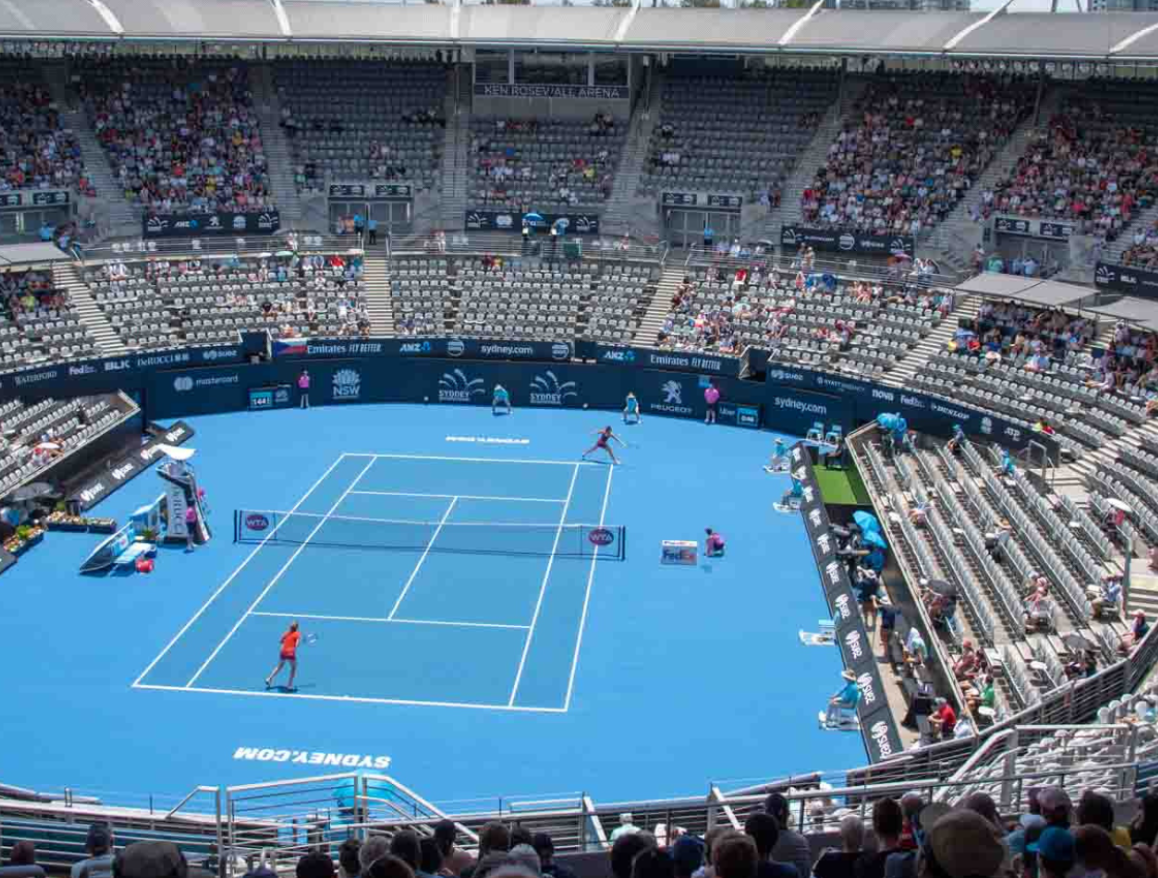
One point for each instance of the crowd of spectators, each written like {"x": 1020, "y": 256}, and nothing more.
{"x": 1143, "y": 250}
{"x": 26, "y": 292}
{"x": 921, "y": 140}
{"x": 1089, "y": 165}
{"x": 909, "y": 837}
{"x": 181, "y": 135}
{"x": 528, "y": 163}
{"x": 1015, "y": 329}
{"x": 36, "y": 151}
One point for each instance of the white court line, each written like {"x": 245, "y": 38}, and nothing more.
{"x": 278, "y": 575}
{"x": 471, "y": 459}
{"x": 393, "y": 621}
{"x": 351, "y": 699}
{"x": 587, "y": 597}
{"x": 232, "y": 575}
{"x": 422, "y": 559}
{"x": 459, "y": 496}
{"x": 543, "y": 587}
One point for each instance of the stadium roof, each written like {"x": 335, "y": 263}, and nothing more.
{"x": 1132, "y": 36}
{"x": 1024, "y": 289}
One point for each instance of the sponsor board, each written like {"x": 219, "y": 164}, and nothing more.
{"x": 518, "y": 90}
{"x": 1033, "y": 228}
{"x": 35, "y": 198}
{"x": 668, "y": 361}
{"x": 372, "y": 191}
{"x": 490, "y": 220}
{"x": 845, "y": 241}
{"x": 122, "y": 470}
{"x": 465, "y": 348}
{"x": 346, "y": 385}
{"x": 311, "y": 757}
{"x": 186, "y": 225}
{"x": 547, "y": 390}
{"x": 456, "y": 386}
{"x": 1127, "y": 279}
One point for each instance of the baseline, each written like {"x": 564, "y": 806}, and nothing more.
{"x": 385, "y": 619}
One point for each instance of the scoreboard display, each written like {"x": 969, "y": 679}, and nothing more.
{"x": 277, "y": 396}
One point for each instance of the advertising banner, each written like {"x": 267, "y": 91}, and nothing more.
{"x": 372, "y": 191}
{"x": 593, "y": 92}
{"x": 190, "y": 225}
{"x": 646, "y": 358}
{"x": 35, "y": 198}
{"x": 796, "y": 411}
{"x": 490, "y": 220}
{"x": 846, "y": 241}
{"x": 105, "y": 481}
{"x": 1033, "y": 228}
{"x": 436, "y": 348}
{"x": 1125, "y": 279}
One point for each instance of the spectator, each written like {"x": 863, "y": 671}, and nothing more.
{"x": 652, "y": 863}
{"x": 23, "y": 853}
{"x": 1055, "y": 850}
{"x": 625, "y": 849}
{"x": 157, "y": 859}
{"x": 494, "y": 840}
{"x": 373, "y": 849}
{"x": 98, "y": 844}
{"x": 388, "y": 866}
{"x": 840, "y": 863}
{"x": 348, "y": 864}
{"x": 687, "y": 856}
{"x": 888, "y": 822}
{"x": 1055, "y": 806}
{"x": 735, "y": 856}
{"x": 790, "y": 847}
{"x": 431, "y": 862}
{"x": 1095, "y": 809}
{"x": 315, "y": 864}
{"x": 963, "y": 844}
{"x": 528, "y": 857}
{"x": 1096, "y": 852}
{"x": 1144, "y": 827}
{"x": 624, "y": 828}
{"x": 405, "y": 846}
{"x": 765, "y": 831}
{"x": 545, "y": 846}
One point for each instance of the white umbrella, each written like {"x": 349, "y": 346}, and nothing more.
{"x": 49, "y": 446}
{"x": 1118, "y": 504}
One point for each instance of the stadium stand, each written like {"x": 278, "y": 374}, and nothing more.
{"x": 919, "y": 140}
{"x": 350, "y": 120}
{"x": 735, "y": 135}
{"x": 36, "y": 150}
{"x": 1091, "y": 163}
{"x": 544, "y": 164}
{"x": 495, "y": 296}
{"x": 165, "y": 303}
{"x": 804, "y": 316}
{"x": 36, "y": 434}
{"x": 37, "y": 323}
{"x": 181, "y": 136}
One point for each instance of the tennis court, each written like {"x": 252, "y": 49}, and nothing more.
{"x": 456, "y": 581}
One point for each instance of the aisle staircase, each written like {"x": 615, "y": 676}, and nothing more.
{"x": 810, "y": 160}
{"x": 379, "y": 303}
{"x": 1145, "y": 219}
{"x": 123, "y": 218}
{"x": 932, "y": 344}
{"x": 624, "y": 210}
{"x": 953, "y": 237}
{"x": 657, "y": 312}
{"x": 66, "y": 277}
{"x": 455, "y": 160}
{"x": 280, "y": 165}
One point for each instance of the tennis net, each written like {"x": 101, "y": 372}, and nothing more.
{"x": 271, "y": 527}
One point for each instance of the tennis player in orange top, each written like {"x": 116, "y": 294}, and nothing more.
{"x": 289, "y": 653}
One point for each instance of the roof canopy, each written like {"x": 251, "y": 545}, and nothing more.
{"x": 1132, "y": 36}
{"x": 1034, "y": 291}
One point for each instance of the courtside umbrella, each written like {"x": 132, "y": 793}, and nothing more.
{"x": 866, "y": 521}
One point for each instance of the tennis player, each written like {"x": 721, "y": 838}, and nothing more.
{"x": 713, "y": 543}
{"x": 501, "y": 398}
{"x": 289, "y": 653}
{"x": 603, "y": 441}
{"x": 631, "y": 410}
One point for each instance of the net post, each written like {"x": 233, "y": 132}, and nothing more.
{"x": 236, "y": 526}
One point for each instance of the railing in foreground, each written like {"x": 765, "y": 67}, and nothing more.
{"x": 231, "y": 829}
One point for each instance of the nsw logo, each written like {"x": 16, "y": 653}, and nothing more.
{"x": 454, "y": 386}
{"x": 601, "y": 536}
{"x": 547, "y": 389}
{"x": 347, "y": 385}
{"x": 256, "y": 521}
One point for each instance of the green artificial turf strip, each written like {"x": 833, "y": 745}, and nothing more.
{"x": 841, "y": 486}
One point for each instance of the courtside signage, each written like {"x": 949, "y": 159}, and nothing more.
{"x": 310, "y": 757}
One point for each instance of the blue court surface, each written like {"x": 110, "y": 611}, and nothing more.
{"x": 472, "y": 638}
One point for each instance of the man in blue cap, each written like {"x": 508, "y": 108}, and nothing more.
{"x": 1055, "y": 852}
